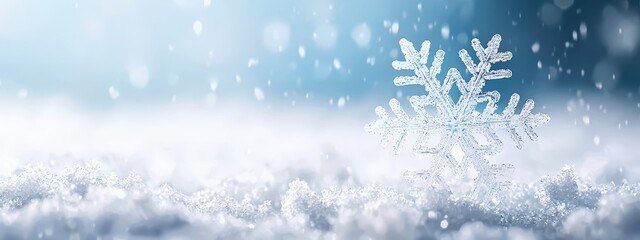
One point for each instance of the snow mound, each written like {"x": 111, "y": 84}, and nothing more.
{"x": 86, "y": 201}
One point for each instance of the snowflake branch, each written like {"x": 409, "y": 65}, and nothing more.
{"x": 481, "y": 71}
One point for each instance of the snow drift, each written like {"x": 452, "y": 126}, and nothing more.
{"x": 87, "y": 202}
{"x": 181, "y": 174}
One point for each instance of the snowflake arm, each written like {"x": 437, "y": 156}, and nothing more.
{"x": 402, "y": 124}
{"x": 481, "y": 72}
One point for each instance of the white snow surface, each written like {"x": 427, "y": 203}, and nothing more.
{"x": 216, "y": 174}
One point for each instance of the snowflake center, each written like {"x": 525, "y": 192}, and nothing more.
{"x": 455, "y": 126}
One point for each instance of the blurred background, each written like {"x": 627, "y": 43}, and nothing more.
{"x": 294, "y": 82}
{"x": 104, "y": 54}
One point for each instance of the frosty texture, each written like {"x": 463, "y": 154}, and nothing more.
{"x": 457, "y": 123}
{"x": 87, "y": 202}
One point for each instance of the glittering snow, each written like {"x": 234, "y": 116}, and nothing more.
{"x": 86, "y": 201}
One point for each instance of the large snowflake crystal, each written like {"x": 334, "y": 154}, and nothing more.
{"x": 464, "y": 123}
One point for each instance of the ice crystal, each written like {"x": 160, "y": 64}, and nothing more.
{"x": 463, "y": 123}
{"x": 86, "y": 201}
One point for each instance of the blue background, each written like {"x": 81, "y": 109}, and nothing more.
{"x": 78, "y": 49}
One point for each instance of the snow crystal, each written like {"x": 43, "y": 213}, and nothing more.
{"x": 85, "y": 201}
{"x": 113, "y": 92}
{"x": 583, "y": 30}
{"x": 301, "y": 52}
{"x": 444, "y": 31}
{"x": 197, "y": 27}
{"x": 252, "y": 62}
{"x": 444, "y": 224}
{"x": 341, "y": 102}
{"x": 395, "y": 26}
{"x": 535, "y": 48}
{"x": 336, "y": 64}
{"x": 457, "y": 123}
{"x": 213, "y": 84}
{"x": 371, "y": 60}
{"x": 257, "y": 92}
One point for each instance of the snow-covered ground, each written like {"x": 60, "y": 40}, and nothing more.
{"x": 194, "y": 172}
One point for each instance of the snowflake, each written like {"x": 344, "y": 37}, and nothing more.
{"x": 463, "y": 124}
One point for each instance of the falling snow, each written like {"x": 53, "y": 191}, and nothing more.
{"x": 336, "y": 64}
{"x": 444, "y": 31}
{"x": 341, "y": 102}
{"x": 113, "y": 92}
{"x": 213, "y": 84}
{"x": 258, "y": 93}
{"x": 535, "y": 48}
{"x": 395, "y": 26}
{"x": 197, "y": 27}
